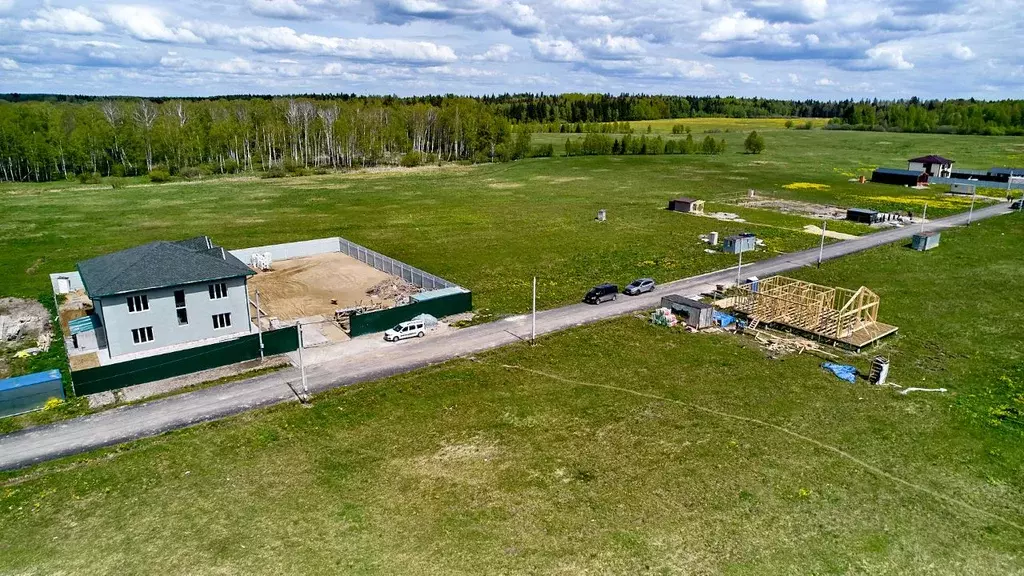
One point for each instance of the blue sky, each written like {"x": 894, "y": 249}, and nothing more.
{"x": 774, "y": 48}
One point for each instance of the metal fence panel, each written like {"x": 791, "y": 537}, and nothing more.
{"x": 979, "y": 183}
{"x": 392, "y": 266}
{"x": 381, "y": 320}
{"x": 181, "y": 362}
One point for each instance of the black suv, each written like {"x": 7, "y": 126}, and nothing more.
{"x": 601, "y": 293}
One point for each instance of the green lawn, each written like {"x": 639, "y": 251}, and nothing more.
{"x": 479, "y": 468}
{"x": 491, "y": 227}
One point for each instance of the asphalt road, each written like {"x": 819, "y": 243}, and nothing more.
{"x": 152, "y": 418}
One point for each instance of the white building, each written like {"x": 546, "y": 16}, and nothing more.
{"x": 936, "y": 166}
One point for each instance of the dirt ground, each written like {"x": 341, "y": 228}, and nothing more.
{"x": 797, "y": 207}
{"x": 76, "y": 305}
{"x": 304, "y": 287}
{"x": 22, "y": 322}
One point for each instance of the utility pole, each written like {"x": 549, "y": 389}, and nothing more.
{"x": 259, "y": 326}
{"x": 533, "y": 335}
{"x": 821, "y": 251}
{"x": 924, "y": 216}
{"x": 970, "y": 215}
{"x": 739, "y": 269}
{"x": 302, "y": 365}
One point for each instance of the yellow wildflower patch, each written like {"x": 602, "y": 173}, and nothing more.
{"x": 806, "y": 186}
{"x": 950, "y": 202}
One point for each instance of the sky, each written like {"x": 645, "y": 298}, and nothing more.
{"x": 792, "y": 49}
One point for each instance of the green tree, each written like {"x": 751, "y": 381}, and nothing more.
{"x": 754, "y": 144}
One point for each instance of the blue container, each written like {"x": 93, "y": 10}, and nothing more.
{"x": 30, "y": 392}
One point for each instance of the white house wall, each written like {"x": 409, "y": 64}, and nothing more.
{"x": 162, "y": 316}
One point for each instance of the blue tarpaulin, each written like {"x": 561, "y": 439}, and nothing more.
{"x": 724, "y": 320}
{"x": 842, "y": 371}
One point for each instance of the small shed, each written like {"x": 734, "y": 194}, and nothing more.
{"x": 84, "y": 333}
{"x": 932, "y": 164}
{"x": 963, "y": 189}
{"x": 696, "y": 314}
{"x": 28, "y": 393}
{"x": 863, "y": 215}
{"x": 739, "y": 243}
{"x": 900, "y": 177}
{"x": 687, "y": 205}
{"x": 926, "y": 241}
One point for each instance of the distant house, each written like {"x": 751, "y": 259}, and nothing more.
{"x": 900, "y": 177}
{"x": 739, "y": 243}
{"x": 687, "y": 205}
{"x": 863, "y": 216}
{"x": 164, "y": 293}
{"x": 933, "y": 165}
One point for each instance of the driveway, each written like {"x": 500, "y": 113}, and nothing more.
{"x": 138, "y": 421}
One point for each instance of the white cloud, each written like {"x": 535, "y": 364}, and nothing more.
{"x": 496, "y": 53}
{"x": 888, "y": 58}
{"x": 612, "y": 47}
{"x": 147, "y": 24}
{"x": 279, "y": 9}
{"x": 6, "y": 6}
{"x": 961, "y": 52}
{"x": 8, "y": 64}
{"x": 597, "y": 22}
{"x": 746, "y": 78}
{"x": 825, "y": 82}
{"x": 284, "y": 39}
{"x": 794, "y": 79}
{"x": 63, "y": 21}
{"x": 555, "y": 50}
{"x": 738, "y": 26}
{"x": 790, "y": 10}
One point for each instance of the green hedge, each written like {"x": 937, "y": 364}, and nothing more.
{"x": 381, "y": 320}
{"x": 152, "y": 368}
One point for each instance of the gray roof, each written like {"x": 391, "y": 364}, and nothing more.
{"x": 1014, "y": 171}
{"x": 683, "y": 301}
{"x": 159, "y": 265}
{"x": 899, "y": 172}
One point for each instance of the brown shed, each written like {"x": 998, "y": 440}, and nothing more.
{"x": 687, "y": 205}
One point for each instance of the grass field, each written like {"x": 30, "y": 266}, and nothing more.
{"x": 493, "y": 227}
{"x": 594, "y": 452}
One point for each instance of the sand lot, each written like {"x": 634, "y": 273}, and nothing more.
{"x": 304, "y": 287}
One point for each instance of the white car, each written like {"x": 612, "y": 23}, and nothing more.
{"x": 410, "y": 329}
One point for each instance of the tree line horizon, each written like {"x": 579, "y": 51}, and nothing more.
{"x": 49, "y": 137}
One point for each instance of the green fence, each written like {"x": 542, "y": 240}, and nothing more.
{"x": 381, "y": 320}
{"x": 114, "y": 376}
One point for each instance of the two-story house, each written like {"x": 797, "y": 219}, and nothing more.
{"x": 167, "y": 293}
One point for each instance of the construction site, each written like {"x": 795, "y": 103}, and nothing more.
{"x": 337, "y": 289}
{"x": 840, "y": 316}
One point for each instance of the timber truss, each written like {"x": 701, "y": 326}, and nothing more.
{"x": 843, "y": 316}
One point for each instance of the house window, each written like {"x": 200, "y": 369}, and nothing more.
{"x": 218, "y": 291}
{"x": 221, "y": 321}
{"x": 138, "y": 303}
{"x": 142, "y": 335}
{"x": 179, "y": 307}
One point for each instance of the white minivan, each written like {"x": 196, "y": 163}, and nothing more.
{"x": 410, "y": 329}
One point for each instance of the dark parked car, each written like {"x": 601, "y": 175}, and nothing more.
{"x": 1016, "y": 205}
{"x": 637, "y": 287}
{"x": 601, "y": 293}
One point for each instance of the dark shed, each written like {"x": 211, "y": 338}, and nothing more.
{"x": 899, "y": 177}
{"x": 688, "y": 205}
{"x": 863, "y": 216}
{"x": 696, "y": 314}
